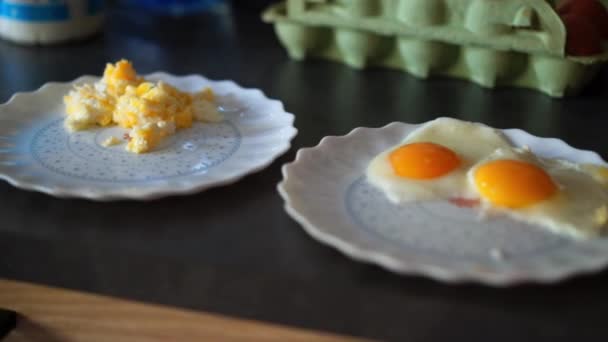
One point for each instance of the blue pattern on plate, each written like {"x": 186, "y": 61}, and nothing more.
{"x": 425, "y": 227}
{"x": 80, "y": 155}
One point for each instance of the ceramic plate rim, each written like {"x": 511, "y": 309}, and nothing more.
{"x": 360, "y": 253}
{"x": 91, "y": 193}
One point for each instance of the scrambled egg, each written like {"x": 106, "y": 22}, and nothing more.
{"x": 151, "y": 111}
{"x": 111, "y": 141}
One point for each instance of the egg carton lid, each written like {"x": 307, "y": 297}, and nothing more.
{"x": 528, "y": 26}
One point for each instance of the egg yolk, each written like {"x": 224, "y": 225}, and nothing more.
{"x": 513, "y": 183}
{"x": 423, "y": 160}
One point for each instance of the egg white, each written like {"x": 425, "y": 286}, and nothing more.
{"x": 579, "y": 209}
{"x": 472, "y": 142}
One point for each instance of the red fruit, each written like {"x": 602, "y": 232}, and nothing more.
{"x": 582, "y": 39}
{"x": 592, "y": 10}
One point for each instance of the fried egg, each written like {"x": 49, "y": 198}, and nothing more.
{"x": 559, "y": 195}
{"x": 449, "y": 159}
{"x": 433, "y": 161}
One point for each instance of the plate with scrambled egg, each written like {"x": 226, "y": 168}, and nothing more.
{"x": 455, "y": 201}
{"x": 130, "y": 136}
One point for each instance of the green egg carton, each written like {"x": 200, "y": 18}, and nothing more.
{"x": 490, "y": 42}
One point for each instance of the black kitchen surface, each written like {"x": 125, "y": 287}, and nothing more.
{"x": 8, "y": 321}
{"x": 233, "y": 250}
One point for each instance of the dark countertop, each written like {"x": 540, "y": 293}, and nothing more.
{"x": 8, "y": 321}
{"x": 233, "y": 250}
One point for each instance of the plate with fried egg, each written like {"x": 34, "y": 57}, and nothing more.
{"x": 130, "y": 136}
{"x": 455, "y": 201}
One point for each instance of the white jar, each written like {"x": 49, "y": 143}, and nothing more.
{"x": 49, "y": 21}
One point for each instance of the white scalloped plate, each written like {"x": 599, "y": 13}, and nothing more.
{"x": 37, "y": 153}
{"x": 325, "y": 190}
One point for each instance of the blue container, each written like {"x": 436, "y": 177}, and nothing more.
{"x": 49, "y": 21}
{"x": 171, "y": 7}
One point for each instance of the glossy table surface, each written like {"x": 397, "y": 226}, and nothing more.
{"x": 233, "y": 250}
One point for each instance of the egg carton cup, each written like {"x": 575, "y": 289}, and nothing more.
{"x": 492, "y": 43}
